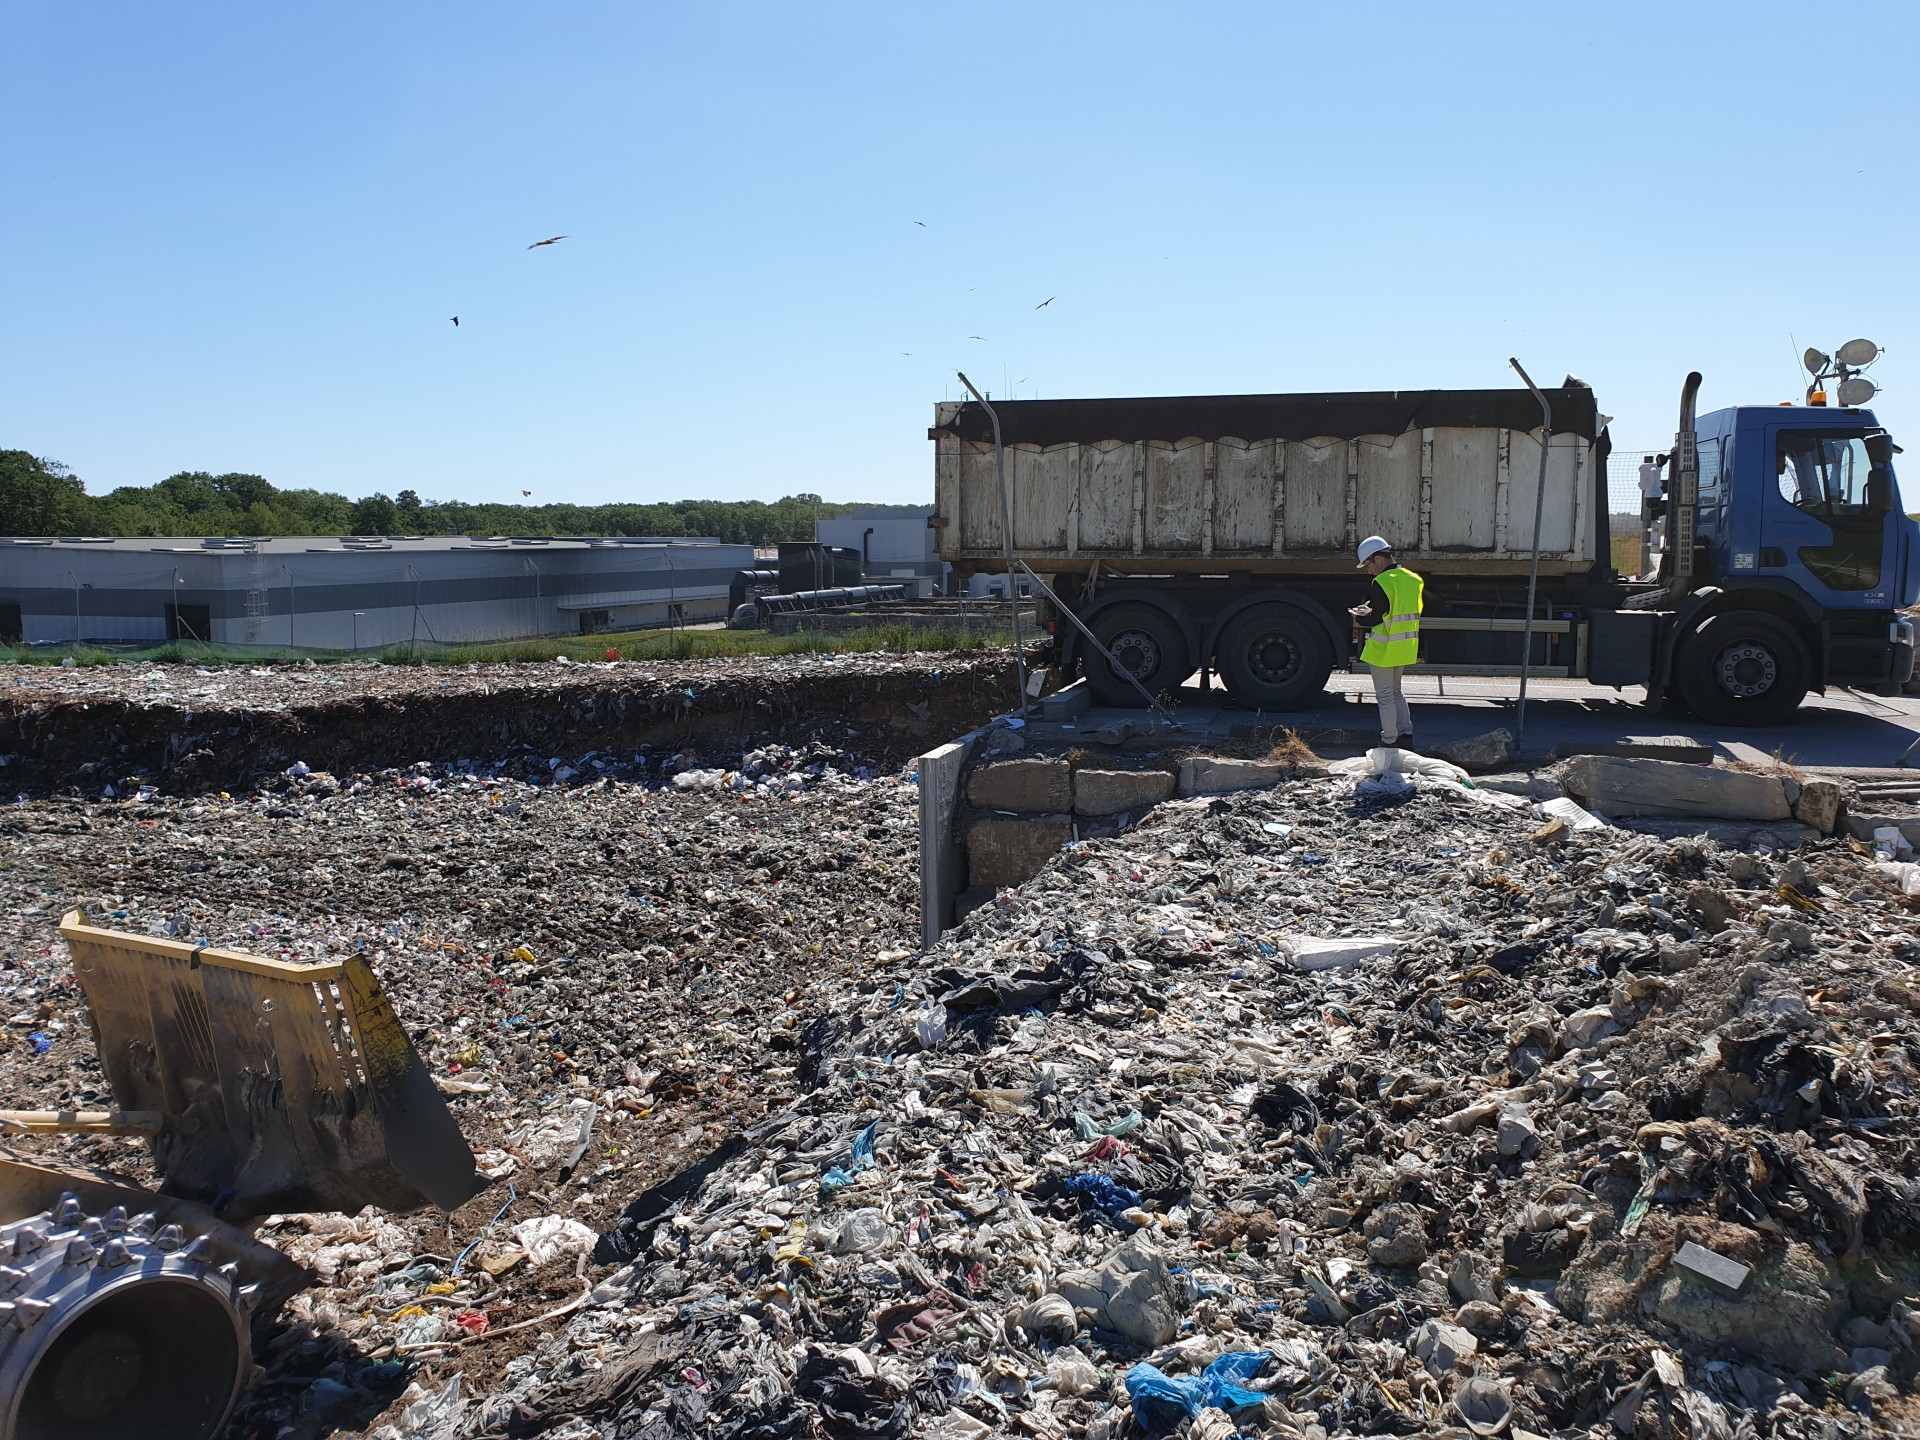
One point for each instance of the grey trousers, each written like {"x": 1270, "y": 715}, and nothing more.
{"x": 1395, "y": 719}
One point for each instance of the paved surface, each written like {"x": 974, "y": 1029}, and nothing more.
{"x": 1841, "y": 728}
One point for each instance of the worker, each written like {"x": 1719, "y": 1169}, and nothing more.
{"x": 1393, "y": 640}
{"x": 1653, "y": 505}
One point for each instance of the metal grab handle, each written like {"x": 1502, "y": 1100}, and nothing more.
{"x": 81, "y": 1122}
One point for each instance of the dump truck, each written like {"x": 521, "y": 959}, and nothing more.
{"x": 1217, "y": 533}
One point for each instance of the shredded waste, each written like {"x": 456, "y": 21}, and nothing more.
{"x": 1338, "y": 1107}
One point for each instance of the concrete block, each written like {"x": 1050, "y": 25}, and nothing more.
{"x": 1661, "y": 788}
{"x": 1075, "y": 700}
{"x": 1819, "y": 805}
{"x": 1108, "y": 792}
{"x": 1037, "y": 784}
{"x": 941, "y": 877}
{"x": 1011, "y": 852}
{"x": 1861, "y": 827}
{"x": 1680, "y": 749}
{"x": 1205, "y": 775}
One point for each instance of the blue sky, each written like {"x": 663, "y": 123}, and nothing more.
{"x": 239, "y": 231}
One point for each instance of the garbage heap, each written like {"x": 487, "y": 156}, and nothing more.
{"x": 1338, "y": 1107}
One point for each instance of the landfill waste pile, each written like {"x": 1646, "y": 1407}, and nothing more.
{"x": 1348, "y": 1106}
{"x": 1353, "y": 1105}
{"x": 188, "y": 728}
{"x": 608, "y": 960}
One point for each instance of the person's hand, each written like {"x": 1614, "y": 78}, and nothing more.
{"x": 1357, "y": 610}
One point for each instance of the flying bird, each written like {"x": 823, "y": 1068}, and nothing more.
{"x": 526, "y": 492}
{"x": 921, "y": 223}
{"x": 456, "y": 322}
{"x": 1046, "y": 302}
{"x": 555, "y": 240}
{"x": 976, "y": 337}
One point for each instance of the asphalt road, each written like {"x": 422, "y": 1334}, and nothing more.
{"x": 1841, "y": 728}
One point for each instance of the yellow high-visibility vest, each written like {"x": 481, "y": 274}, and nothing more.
{"x": 1396, "y": 639}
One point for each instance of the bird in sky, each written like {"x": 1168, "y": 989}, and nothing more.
{"x": 921, "y": 223}
{"x": 526, "y": 492}
{"x": 976, "y": 337}
{"x": 1046, "y": 302}
{"x": 554, "y": 240}
{"x": 456, "y": 322}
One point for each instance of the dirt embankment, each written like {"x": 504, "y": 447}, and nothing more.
{"x": 187, "y": 729}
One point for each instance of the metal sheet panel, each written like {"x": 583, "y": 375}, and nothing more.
{"x": 1041, "y": 483}
{"x": 1176, "y": 495}
{"x": 1106, "y": 498}
{"x": 1316, "y": 485}
{"x": 1556, "y": 529}
{"x": 1243, "y": 496}
{"x": 1388, "y": 498}
{"x": 979, "y": 517}
{"x": 1466, "y": 472}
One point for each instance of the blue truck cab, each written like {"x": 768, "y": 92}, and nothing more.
{"x": 1804, "y": 557}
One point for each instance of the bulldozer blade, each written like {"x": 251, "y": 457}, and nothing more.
{"x": 422, "y": 1139}
{"x": 280, "y": 1086}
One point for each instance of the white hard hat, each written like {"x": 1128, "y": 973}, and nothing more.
{"x": 1370, "y": 547}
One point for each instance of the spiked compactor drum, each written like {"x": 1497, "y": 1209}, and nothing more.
{"x": 118, "y": 1326}
{"x": 127, "y": 1314}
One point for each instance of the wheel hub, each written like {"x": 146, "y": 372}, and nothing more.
{"x": 1274, "y": 658}
{"x": 1746, "y": 670}
{"x": 1136, "y": 652}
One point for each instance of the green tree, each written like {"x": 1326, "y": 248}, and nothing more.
{"x": 375, "y": 515}
{"x": 39, "y": 497}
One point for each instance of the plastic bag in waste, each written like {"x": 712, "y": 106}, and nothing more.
{"x": 841, "y": 1176}
{"x": 1071, "y": 1372}
{"x": 548, "y": 1237}
{"x": 1903, "y": 873}
{"x": 1161, "y": 1402}
{"x": 1104, "y": 1192}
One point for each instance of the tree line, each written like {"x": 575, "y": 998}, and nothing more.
{"x": 44, "y": 497}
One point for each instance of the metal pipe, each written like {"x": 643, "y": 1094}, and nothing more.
{"x": 1533, "y": 569}
{"x": 1153, "y": 705}
{"x": 1006, "y": 534}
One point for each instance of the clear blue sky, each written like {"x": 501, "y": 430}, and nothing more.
{"x": 237, "y": 232}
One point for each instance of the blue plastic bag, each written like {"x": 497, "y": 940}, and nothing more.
{"x": 1162, "y": 1403}
{"x": 840, "y": 1177}
{"x": 1103, "y": 1191}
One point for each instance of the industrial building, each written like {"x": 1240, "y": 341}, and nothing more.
{"x": 354, "y": 592}
{"x": 892, "y": 545}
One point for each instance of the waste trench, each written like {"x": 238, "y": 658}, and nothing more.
{"x": 1333, "y": 1107}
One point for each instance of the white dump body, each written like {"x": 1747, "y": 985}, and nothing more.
{"x": 1459, "y": 498}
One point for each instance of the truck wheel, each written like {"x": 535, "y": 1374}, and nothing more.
{"x": 1745, "y": 668}
{"x": 1275, "y": 657}
{"x": 1149, "y": 646}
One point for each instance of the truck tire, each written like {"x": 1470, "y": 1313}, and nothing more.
{"x": 1275, "y": 657}
{"x": 1147, "y": 642}
{"x": 1742, "y": 668}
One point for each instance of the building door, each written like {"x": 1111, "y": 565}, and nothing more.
{"x": 189, "y": 622}
{"x": 10, "y": 627}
